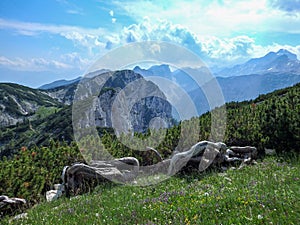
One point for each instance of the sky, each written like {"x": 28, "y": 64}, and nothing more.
{"x": 44, "y": 41}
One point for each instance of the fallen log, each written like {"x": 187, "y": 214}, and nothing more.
{"x": 9, "y": 206}
{"x": 123, "y": 164}
{"x": 4, "y": 201}
{"x": 78, "y": 177}
{"x": 206, "y": 151}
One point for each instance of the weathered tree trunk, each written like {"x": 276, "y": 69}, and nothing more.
{"x": 78, "y": 177}
{"x": 9, "y": 206}
{"x": 4, "y": 200}
{"x": 205, "y": 151}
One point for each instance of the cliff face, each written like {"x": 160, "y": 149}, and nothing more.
{"x": 127, "y": 102}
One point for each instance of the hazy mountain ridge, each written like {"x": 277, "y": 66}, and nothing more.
{"x": 241, "y": 88}
{"x": 282, "y": 61}
{"x": 59, "y": 83}
{"x": 182, "y": 77}
{"x": 244, "y": 82}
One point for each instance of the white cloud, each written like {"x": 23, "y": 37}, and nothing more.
{"x": 218, "y": 18}
{"x": 34, "y": 64}
{"x": 76, "y": 60}
{"x": 211, "y": 48}
{"x": 85, "y": 37}
{"x": 72, "y": 11}
{"x": 111, "y": 13}
{"x": 71, "y": 8}
{"x": 148, "y": 30}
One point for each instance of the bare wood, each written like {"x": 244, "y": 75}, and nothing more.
{"x": 201, "y": 156}
{"x": 4, "y": 200}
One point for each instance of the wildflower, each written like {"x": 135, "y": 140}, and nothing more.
{"x": 206, "y": 194}
{"x": 23, "y": 148}
{"x": 260, "y": 217}
{"x": 33, "y": 154}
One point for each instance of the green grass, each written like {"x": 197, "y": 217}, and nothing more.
{"x": 266, "y": 193}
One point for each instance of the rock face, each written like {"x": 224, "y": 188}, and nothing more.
{"x": 63, "y": 94}
{"x": 125, "y": 101}
{"x": 137, "y": 103}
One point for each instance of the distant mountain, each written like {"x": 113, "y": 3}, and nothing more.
{"x": 238, "y": 87}
{"x": 282, "y": 61}
{"x": 59, "y": 83}
{"x": 156, "y": 70}
{"x": 241, "y": 88}
{"x": 18, "y": 103}
{"x": 182, "y": 77}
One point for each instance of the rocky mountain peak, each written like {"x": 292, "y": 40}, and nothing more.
{"x": 290, "y": 55}
{"x": 125, "y": 101}
{"x": 281, "y": 61}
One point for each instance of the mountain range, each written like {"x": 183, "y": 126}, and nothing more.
{"x": 44, "y": 113}
{"x": 242, "y": 82}
{"x": 246, "y": 81}
{"x": 281, "y": 61}
{"x": 34, "y": 116}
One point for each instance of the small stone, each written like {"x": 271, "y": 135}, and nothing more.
{"x": 53, "y": 195}
{"x": 20, "y": 216}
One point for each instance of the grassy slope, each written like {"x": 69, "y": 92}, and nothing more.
{"x": 266, "y": 193}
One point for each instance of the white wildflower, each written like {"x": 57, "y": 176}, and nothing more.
{"x": 260, "y": 217}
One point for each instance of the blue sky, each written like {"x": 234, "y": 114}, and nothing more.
{"x": 42, "y": 41}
